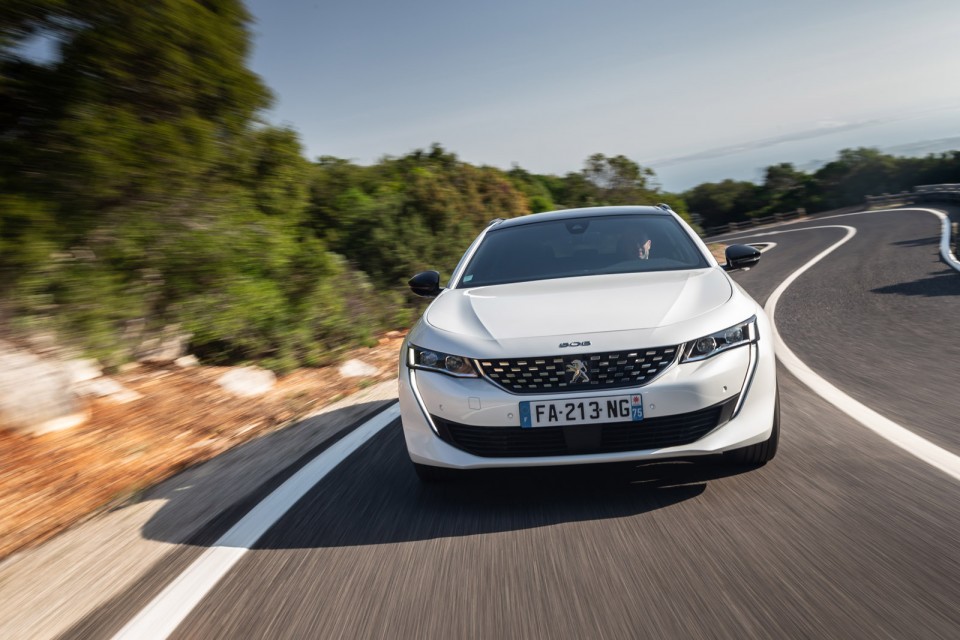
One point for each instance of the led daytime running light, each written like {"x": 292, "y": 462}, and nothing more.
{"x": 447, "y": 363}
{"x": 710, "y": 345}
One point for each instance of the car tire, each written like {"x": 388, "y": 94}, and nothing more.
{"x": 432, "y": 475}
{"x": 763, "y": 452}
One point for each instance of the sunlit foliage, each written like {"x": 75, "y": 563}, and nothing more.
{"x": 141, "y": 194}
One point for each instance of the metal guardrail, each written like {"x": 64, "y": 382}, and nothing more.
{"x": 923, "y": 193}
{"x": 754, "y": 222}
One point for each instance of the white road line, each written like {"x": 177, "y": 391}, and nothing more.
{"x": 945, "y": 252}
{"x": 165, "y": 613}
{"x": 900, "y": 436}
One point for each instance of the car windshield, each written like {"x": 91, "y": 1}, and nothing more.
{"x": 581, "y": 247}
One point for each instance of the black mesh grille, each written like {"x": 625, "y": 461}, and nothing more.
{"x": 612, "y": 437}
{"x": 630, "y": 368}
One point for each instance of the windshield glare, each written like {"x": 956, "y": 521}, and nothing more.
{"x": 581, "y": 247}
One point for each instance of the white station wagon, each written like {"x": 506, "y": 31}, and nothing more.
{"x": 584, "y": 336}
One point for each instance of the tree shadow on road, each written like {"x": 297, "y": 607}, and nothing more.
{"x": 918, "y": 242}
{"x": 940, "y": 283}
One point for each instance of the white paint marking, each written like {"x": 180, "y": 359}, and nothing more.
{"x": 164, "y": 614}
{"x": 945, "y": 252}
{"x": 888, "y": 429}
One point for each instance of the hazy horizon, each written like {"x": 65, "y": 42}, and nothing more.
{"x": 696, "y": 91}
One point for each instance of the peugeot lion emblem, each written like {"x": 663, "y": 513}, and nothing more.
{"x": 579, "y": 370}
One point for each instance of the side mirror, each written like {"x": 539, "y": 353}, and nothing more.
{"x": 741, "y": 256}
{"x": 426, "y": 284}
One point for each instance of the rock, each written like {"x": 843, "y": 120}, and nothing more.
{"x": 99, "y": 388}
{"x": 86, "y": 380}
{"x": 42, "y": 341}
{"x": 35, "y": 394}
{"x": 165, "y": 349}
{"x": 357, "y": 369}
{"x": 125, "y": 396}
{"x": 187, "y": 361}
{"x": 107, "y": 388}
{"x": 247, "y": 381}
{"x": 82, "y": 370}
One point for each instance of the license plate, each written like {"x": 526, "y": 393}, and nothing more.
{"x": 558, "y": 413}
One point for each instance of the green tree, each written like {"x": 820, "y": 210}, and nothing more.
{"x": 407, "y": 214}
{"x": 143, "y": 103}
{"x": 718, "y": 203}
{"x": 855, "y": 174}
{"x": 784, "y": 187}
{"x": 576, "y": 190}
{"x": 619, "y": 180}
{"x": 535, "y": 188}
{"x": 140, "y": 190}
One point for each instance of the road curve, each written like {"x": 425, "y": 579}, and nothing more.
{"x": 842, "y": 535}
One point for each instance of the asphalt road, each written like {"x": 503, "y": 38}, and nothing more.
{"x": 843, "y": 535}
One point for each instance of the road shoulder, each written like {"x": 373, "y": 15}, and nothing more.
{"x": 49, "y": 589}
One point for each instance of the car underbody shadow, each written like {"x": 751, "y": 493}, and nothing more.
{"x": 376, "y": 498}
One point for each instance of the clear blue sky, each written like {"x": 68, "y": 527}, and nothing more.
{"x": 697, "y": 89}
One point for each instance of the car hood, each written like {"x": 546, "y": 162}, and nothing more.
{"x": 576, "y": 306}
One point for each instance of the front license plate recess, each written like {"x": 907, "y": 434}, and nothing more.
{"x": 559, "y": 413}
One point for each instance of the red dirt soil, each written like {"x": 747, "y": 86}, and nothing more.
{"x": 52, "y": 481}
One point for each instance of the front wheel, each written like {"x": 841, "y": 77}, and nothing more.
{"x": 763, "y": 452}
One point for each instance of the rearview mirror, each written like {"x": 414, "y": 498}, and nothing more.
{"x": 426, "y": 284}
{"x": 741, "y": 256}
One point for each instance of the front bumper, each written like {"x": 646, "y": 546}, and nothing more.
{"x": 740, "y": 384}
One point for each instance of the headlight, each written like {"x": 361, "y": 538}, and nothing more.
{"x": 443, "y": 362}
{"x": 711, "y": 345}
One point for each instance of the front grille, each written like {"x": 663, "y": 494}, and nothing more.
{"x": 611, "y": 437}
{"x": 630, "y": 368}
